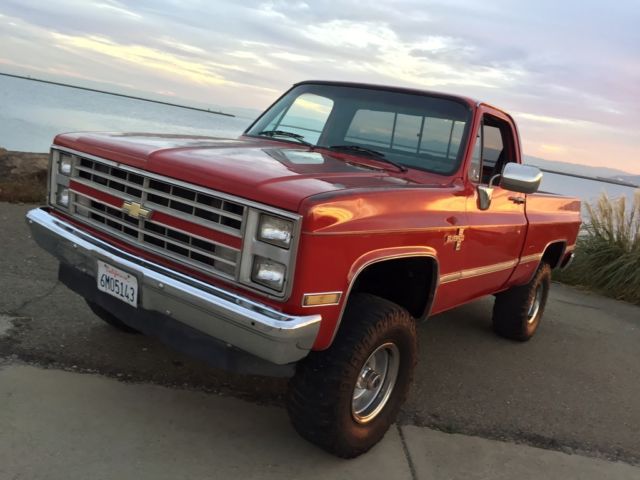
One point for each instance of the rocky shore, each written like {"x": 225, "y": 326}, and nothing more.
{"x": 23, "y": 176}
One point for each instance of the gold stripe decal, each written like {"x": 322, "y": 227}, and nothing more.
{"x": 450, "y": 277}
{"x": 536, "y": 257}
{"x": 476, "y": 272}
{"x": 497, "y": 267}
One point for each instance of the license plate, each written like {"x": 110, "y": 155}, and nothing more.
{"x": 117, "y": 283}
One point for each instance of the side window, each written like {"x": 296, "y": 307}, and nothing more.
{"x": 306, "y": 116}
{"x": 492, "y": 152}
{"x": 493, "y": 149}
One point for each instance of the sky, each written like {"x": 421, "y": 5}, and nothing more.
{"x": 569, "y": 71}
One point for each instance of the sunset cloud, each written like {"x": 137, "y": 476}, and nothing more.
{"x": 569, "y": 70}
{"x": 145, "y": 57}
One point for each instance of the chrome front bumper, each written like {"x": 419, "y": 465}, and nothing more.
{"x": 250, "y": 326}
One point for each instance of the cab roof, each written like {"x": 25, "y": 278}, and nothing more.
{"x": 469, "y": 102}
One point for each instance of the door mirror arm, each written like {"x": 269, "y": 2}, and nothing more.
{"x": 485, "y": 192}
{"x": 493, "y": 179}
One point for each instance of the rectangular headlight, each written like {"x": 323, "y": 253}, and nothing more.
{"x": 62, "y": 196}
{"x": 268, "y": 273}
{"x": 275, "y": 230}
{"x": 65, "y": 164}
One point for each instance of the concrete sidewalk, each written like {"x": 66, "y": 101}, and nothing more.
{"x": 62, "y": 425}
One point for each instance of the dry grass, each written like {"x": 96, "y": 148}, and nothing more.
{"x": 608, "y": 252}
{"x": 27, "y": 189}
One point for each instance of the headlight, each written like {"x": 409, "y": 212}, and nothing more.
{"x": 268, "y": 273}
{"x": 276, "y": 231}
{"x": 62, "y": 197}
{"x": 64, "y": 166}
{"x": 268, "y": 252}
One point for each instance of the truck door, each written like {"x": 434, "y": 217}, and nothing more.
{"x": 494, "y": 237}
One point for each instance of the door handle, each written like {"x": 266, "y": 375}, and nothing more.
{"x": 518, "y": 200}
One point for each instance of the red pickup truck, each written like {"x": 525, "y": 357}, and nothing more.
{"x": 314, "y": 243}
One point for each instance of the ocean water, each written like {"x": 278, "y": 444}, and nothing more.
{"x": 585, "y": 190}
{"x": 32, "y": 113}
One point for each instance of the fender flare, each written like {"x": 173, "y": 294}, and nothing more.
{"x": 383, "y": 255}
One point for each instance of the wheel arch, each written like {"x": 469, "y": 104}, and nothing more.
{"x": 553, "y": 253}
{"x": 417, "y": 262}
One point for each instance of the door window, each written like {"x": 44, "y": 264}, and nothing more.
{"x": 493, "y": 149}
{"x": 492, "y": 152}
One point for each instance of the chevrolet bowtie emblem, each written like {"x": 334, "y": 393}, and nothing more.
{"x": 136, "y": 210}
{"x": 458, "y": 238}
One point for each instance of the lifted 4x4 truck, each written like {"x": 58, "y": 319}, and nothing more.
{"x": 314, "y": 243}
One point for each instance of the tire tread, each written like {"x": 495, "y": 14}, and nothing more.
{"x": 511, "y": 307}
{"x": 311, "y": 402}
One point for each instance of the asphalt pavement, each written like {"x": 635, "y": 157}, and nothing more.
{"x": 568, "y": 401}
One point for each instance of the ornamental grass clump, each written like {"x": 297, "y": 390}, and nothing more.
{"x": 608, "y": 249}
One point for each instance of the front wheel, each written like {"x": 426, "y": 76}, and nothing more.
{"x": 517, "y": 312}
{"x": 345, "y": 398}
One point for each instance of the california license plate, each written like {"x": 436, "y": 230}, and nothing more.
{"x": 117, "y": 283}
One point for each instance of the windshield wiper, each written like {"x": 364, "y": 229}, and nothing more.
{"x": 369, "y": 152}
{"x": 284, "y": 133}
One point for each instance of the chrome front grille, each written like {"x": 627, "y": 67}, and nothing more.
{"x": 159, "y": 195}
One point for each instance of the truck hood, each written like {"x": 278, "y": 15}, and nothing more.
{"x": 270, "y": 172}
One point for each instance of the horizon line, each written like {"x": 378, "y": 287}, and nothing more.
{"x": 124, "y": 95}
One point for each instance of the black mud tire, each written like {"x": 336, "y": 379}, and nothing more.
{"x": 513, "y": 317}
{"x": 319, "y": 399}
{"x": 111, "y": 319}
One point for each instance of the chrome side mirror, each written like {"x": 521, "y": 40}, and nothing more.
{"x": 515, "y": 177}
{"x": 520, "y": 178}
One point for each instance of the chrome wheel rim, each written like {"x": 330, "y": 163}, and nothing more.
{"x": 375, "y": 383}
{"x": 535, "y": 305}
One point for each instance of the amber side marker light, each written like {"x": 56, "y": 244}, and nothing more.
{"x": 318, "y": 299}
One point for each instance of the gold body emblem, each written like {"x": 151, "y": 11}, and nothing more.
{"x": 136, "y": 210}
{"x": 457, "y": 239}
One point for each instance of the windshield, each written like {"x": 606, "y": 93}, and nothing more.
{"x": 413, "y": 130}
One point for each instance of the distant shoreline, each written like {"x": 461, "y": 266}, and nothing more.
{"x": 613, "y": 181}
{"x": 133, "y": 97}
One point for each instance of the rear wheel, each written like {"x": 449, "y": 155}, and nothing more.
{"x": 345, "y": 398}
{"x": 517, "y": 312}
{"x": 109, "y": 318}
